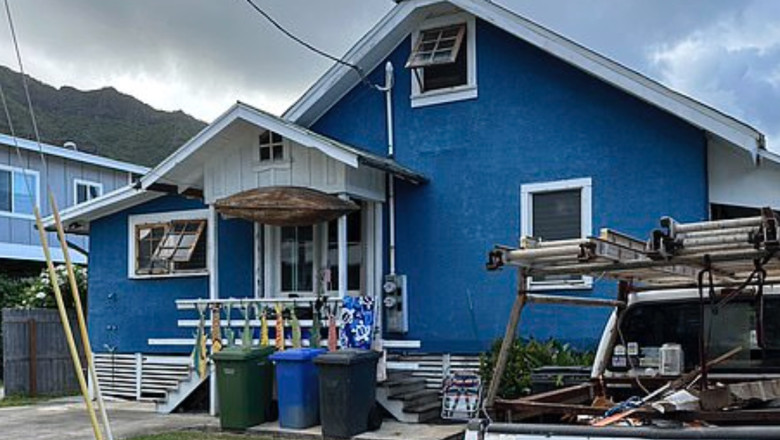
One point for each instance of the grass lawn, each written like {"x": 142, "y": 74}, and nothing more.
{"x": 195, "y": 435}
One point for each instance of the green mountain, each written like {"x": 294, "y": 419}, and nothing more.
{"x": 104, "y": 121}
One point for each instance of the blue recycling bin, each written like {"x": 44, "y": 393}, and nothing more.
{"x": 297, "y": 387}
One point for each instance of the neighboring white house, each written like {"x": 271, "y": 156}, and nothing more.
{"x": 73, "y": 177}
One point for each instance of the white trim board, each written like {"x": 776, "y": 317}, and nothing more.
{"x": 78, "y": 156}
{"x": 29, "y": 252}
{"x": 107, "y": 204}
{"x": 379, "y": 42}
{"x": 527, "y": 191}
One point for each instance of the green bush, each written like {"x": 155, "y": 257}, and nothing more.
{"x": 524, "y": 357}
{"x": 12, "y": 291}
{"x": 39, "y": 293}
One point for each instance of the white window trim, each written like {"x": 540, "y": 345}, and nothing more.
{"x": 77, "y": 182}
{"x": 163, "y": 217}
{"x": 37, "y": 189}
{"x": 451, "y": 94}
{"x": 284, "y": 163}
{"x": 586, "y": 222}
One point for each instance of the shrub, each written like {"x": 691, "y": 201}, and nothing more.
{"x": 524, "y": 357}
{"x": 40, "y": 294}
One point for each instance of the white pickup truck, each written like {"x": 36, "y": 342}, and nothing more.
{"x": 628, "y": 364}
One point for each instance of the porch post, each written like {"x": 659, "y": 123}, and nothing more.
{"x": 342, "y": 237}
{"x": 213, "y": 265}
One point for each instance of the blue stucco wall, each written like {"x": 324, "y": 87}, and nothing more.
{"x": 124, "y": 313}
{"x": 537, "y": 119}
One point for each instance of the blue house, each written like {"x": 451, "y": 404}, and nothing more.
{"x": 466, "y": 126}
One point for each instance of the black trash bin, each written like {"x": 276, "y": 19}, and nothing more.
{"x": 348, "y": 392}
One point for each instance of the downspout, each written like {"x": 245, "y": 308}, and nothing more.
{"x": 388, "y": 89}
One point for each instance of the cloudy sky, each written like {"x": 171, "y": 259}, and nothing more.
{"x": 202, "y": 55}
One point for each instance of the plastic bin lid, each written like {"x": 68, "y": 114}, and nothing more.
{"x": 348, "y": 356}
{"x": 297, "y": 354}
{"x": 240, "y": 354}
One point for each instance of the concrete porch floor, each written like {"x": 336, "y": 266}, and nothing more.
{"x": 390, "y": 430}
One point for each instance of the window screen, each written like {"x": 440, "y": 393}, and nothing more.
{"x": 556, "y": 215}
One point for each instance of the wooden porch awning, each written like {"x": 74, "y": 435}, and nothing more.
{"x": 285, "y": 206}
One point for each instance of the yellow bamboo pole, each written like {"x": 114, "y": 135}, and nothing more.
{"x": 74, "y": 352}
{"x": 74, "y": 290}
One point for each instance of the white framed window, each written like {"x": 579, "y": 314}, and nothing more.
{"x": 85, "y": 190}
{"x": 557, "y": 210}
{"x": 19, "y": 191}
{"x": 443, "y": 60}
{"x": 271, "y": 147}
{"x": 168, "y": 244}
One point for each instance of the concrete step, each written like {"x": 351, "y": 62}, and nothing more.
{"x": 425, "y": 394}
{"x": 428, "y": 416}
{"x": 406, "y": 387}
{"x": 400, "y": 381}
{"x": 423, "y": 408}
{"x": 424, "y": 400}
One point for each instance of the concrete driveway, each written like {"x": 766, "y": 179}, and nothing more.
{"x": 66, "y": 419}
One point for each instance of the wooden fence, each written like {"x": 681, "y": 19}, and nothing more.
{"x": 36, "y": 360}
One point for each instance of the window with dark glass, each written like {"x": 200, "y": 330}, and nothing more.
{"x": 86, "y": 191}
{"x": 271, "y": 147}
{"x": 354, "y": 252}
{"x": 440, "y": 58}
{"x": 6, "y": 201}
{"x": 297, "y": 259}
{"x": 556, "y": 215}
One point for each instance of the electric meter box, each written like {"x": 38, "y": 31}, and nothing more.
{"x": 395, "y": 304}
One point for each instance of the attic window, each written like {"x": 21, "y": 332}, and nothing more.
{"x": 439, "y": 59}
{"x": 443, "y": 60}
{"x": 437, "y": 46}
{"x": 271, "y": 147}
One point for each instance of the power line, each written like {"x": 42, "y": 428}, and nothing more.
{"x": 26, "y": 88}
{"x": 363, "y": 78}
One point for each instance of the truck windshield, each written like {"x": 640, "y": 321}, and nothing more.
{"x": 651, "y": 325}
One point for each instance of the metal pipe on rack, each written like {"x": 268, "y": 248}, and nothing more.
{"x": 531, "y": 254}
{"x": 716, "y": 232}
{"x": 528, "y": 242}
{"x": 741, "y": 238}
{"x": 677, "y": 228}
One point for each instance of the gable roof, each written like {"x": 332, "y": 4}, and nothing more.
{"x": 76, "y": 218}
{"x": 394, "y": 27}
{"x": 53, "y": 150}
{"x": 340, "y": 151}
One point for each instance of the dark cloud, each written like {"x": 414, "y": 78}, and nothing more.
{"x": 201, "y": 55}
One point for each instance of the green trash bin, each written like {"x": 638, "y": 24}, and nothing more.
{"x": 244, "y": 386}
